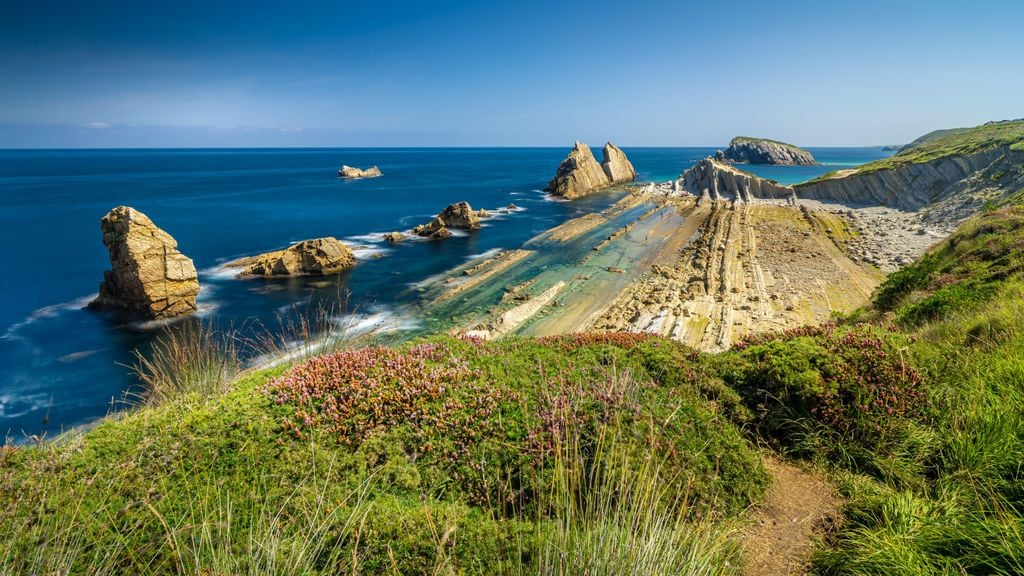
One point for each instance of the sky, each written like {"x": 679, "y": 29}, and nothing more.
{"x": 516, "y": 73}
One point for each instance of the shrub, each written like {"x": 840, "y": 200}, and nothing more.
{"x": 852, "y": 384}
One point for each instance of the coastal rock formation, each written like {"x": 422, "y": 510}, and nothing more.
{"x": 393, "y": 237}
{"x": 710, "y": 179}
{"x": 459, "y": 215}
{"x": 616, "y": 166}
{"x": 319, "y": 257}
{"x": 760, "y": 151}
{"x": 580, "y": 174}
{"x": 350, "y": 172}
{"x": 946, "y": 189}
{"x": 148, "y": 277}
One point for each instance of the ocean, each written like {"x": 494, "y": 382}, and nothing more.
{"x": 64, "y": 366}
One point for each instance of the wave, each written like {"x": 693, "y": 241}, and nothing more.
{"x": 219, "y": 272}
{"x": 368, "y": 252}
{"x": 486, "y": 254}
{"x": 51, "y": 311}
{"x": 15, "y": 406}
{"x": 349, "y": 326}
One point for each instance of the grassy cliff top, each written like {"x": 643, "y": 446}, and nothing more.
{"x": 743, "y": 139}
{"x": 953, "y": 142}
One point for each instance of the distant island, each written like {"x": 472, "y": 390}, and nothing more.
{"x": 746, "y": 150}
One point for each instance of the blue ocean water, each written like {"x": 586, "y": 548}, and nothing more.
{"x": 64, "y": 366}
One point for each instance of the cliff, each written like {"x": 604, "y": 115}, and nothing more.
{"x": 580, "y": 174}
{"x": 148, "y": 277}
{"x": 710, "y": 179}
{"x": 761, "y": 151}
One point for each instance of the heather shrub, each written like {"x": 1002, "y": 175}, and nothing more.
{"x": 854, "y": 387}
{"x": 482, "y": 420}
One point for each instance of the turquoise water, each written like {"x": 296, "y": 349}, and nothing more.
{"x": 64, "y": 366}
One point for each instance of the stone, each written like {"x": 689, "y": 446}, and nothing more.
{"x": 580, "y": 174}
{"x": 148, "y": 277}
{"x": 352, "y": 173}
{"x": 458, "y": 216}
{"x": 616, "y": 166}
{"x": 712, "y": 180}
{"x": 393, "y": 237}
{"x": 319, "y": 257}
{"x": 761, "y": 151}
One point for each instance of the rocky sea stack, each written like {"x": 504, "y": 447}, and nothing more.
{"x": 745, "y": 150}
{"x": 148, "y": 277}
{"x": 580, "y": 174}
{"x": 458, "y": 216}
{"x": 319, "y": 257}
{"x": 353, "y": 173}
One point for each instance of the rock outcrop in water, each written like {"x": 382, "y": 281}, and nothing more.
{"x": 148, "y": 277}
{"x": 352, "y": 173}
{"x": 580, "y": 174}
{"x": 760, "y": 151}
{"x": 456, "y": 216}
{"x": 710, "y": 179}
{"x": 319, "y": 257}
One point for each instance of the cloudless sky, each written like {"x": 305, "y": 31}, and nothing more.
{"x": 522, "y": 72}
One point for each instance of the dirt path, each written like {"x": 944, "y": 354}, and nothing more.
{"x": 799, "y": 506}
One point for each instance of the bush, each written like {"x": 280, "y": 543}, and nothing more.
{"x": 853, "y": 385}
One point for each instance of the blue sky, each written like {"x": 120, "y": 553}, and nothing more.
{"x": 534, "y": 73}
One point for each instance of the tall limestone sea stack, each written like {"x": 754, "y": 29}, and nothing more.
{"x": 746, "y": 150}
{"x": 149, "y": 278}
{"x": 580, "y": 174}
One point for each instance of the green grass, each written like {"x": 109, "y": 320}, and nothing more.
{"x": 740, "y": 139}
{"x": 956, "y": 142}
{"x": 618, "y": 453}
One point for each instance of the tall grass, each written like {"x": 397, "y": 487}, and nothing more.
{"x": 201, "y": 357}
{"x": 241, "y": 526}
{"x": 196, "y": 357}
{"x": 612, "y": 506}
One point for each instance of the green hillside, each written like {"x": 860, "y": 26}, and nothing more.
{"x": 954, "y": 142}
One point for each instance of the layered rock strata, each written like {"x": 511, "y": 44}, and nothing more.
{"x": 760, "y": 151}
{"x": 319, "y": 257}
{"x": 711, "y": 180}
{"x": 148, "y": 277}
{"x": 580, "y": 174}
{"x": 947, "y": 189}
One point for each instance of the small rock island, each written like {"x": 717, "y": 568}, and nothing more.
{"x": 458, "y": 216}
{"x": 350, "y": 173}
{"x": 318, "y": 257}
{"x": 744, "y": 150}
{"x": 580, "y": 174}
{"x": 148, "y": 277}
